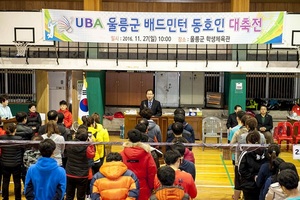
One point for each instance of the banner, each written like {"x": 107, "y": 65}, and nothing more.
{"x": 83, "y": 104}
{"x": 163, "y": 28}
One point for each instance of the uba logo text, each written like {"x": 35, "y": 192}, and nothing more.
{"x": 88, "y": 23}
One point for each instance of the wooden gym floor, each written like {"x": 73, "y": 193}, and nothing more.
{"x": 215, "y": 176}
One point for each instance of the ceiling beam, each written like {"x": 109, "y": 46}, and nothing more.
{"x": 201, "y": 1}
{"x": 274, "y": 1}
{"x": 178, "y": 1}
{"x": 169, "y": 1}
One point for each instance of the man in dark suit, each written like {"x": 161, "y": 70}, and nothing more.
{"x": 231, "y": 121}
{"x": 265, "y": 124}
{"x": 151, "y": 103}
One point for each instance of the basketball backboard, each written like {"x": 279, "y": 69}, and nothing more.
{"x": 24, "y": 34}
{"x": 290, "y": 25}
{"x": 296, "y": 37}
{"x": 22, "y": 27}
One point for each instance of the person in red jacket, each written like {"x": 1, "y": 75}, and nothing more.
{"x": 182, "y": 178}
{"x": 137, "y": 157}
{"x": 185, "y": 164}
{"x": 168, "y": 190}
{"x": 68, "y": 120}
{"x": 2, "y": 131}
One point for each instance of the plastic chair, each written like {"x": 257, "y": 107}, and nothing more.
{"x": 296, "y": 126}
{"x": 285, "y": 132}
{"x": 212, "y": 128}
{"x": 275, "y": 134}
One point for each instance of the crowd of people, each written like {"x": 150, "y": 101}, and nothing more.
{"x": 257, "y": 168}
{"x": 51, "y": 169}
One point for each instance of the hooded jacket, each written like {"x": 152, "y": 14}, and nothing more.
{"x": 189, "y": 155}
{"x": 45, "y": 180}
{"x": 115, "y": 181}
{"x": 189, "y": 128}
{"x": 182, "y": 179}
{"x": 99, "y": 135}
{"x": 170, "y": 193}
{"x": 137, "y": 157}
{"x": 190, "y": 136}
{"x": 154, "y": 131}
{"x": 275, "y": 192}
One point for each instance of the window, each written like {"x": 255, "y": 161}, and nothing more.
{"x": 279, "y": 86}
{"x": 256, "y": 85}
{"x": 2, "y": 81}
{"x": 18, "y": 84}
{"x": 213, "y": 81}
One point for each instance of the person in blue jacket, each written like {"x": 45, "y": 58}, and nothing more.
{"x": 45, "y": 179}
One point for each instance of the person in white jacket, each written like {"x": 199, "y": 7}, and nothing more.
{"x": 52, "y": 132}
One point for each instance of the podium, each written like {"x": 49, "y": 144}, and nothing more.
{"x": 164, "y": 121}
{"x": 5, "y": 122}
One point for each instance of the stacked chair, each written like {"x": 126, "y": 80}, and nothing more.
{"x": 285, "y": 131}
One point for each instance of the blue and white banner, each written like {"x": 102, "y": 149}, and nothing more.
{"x": 163, "y": 28}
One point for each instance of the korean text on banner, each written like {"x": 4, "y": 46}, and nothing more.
{"x": 163, "y": 28}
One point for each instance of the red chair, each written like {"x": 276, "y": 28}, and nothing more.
{"x": 296, "y": 126}
{"x": 285, "y": 132}
{"x": 275, "y": 134}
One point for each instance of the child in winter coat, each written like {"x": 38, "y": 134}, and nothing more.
{"x": 167, "y": 190}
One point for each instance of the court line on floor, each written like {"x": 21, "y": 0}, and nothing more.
{"x": 203, "y": 165}
{"x": 225, "y": 167}
{"x": 213, "y": 173}
{"x": 215, "y": 186}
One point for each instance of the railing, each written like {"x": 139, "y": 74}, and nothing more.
{"x": 280, "y": 86}
{"x": 157, "y": 51}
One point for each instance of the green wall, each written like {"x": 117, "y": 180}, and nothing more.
{"x": 237, "y": 91}
{"x": 226, "y": 88}
{"x": 235, "y": 94}
{"x": 96, "y": 92}
{"x": 18, "y": 108}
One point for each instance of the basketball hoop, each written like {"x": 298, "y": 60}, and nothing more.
{"x": 21, "y": 47}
